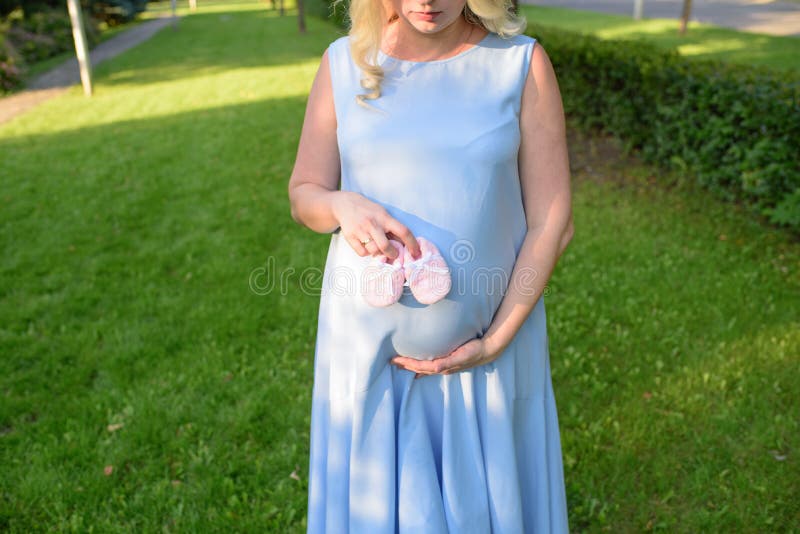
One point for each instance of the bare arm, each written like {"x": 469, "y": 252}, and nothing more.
{"x": 545, "y": 183}
{"x": 315, "y": 176}
{"x": 314, "y": 195}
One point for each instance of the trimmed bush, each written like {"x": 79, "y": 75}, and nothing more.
{"x": 10, "y": 74}
{"x": 733, "y": 128}
{"x": 10, "y": 71}
{"x": 43, "y": 34}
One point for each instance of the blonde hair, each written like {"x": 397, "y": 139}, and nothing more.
{"x": 368, "y": 17}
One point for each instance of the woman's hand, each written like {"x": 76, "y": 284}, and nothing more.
{"x": 361, "y": 219}
{"x": 477, "y": 351}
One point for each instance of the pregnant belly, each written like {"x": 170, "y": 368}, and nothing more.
{"x": 421, "y": 331}
{"x": 429, "y": 331}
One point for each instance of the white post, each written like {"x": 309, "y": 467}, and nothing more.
{"x": 193, "y": 5}
{"x": 79, "y": 35}
{"x": 637, "y": 9}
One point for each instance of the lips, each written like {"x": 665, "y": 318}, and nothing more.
{"x": 427, "y": 15}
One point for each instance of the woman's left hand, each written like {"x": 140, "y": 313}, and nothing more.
{"x": 474, "y": 352}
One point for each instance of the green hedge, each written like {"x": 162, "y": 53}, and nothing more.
{"x": 733, "y": 128}
{"x": 10, "y": 72}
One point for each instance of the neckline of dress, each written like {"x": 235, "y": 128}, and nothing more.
{"x": 435, "y": 61}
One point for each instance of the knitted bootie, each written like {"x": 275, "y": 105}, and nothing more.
{"x": 382, "y": 280}
{"x": 428, "y": 276}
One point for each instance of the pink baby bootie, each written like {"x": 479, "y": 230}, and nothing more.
{"x": 428, "y": 276}
{"x": 382, "y": 281}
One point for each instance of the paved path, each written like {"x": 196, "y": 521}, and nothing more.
{"x": 760, "y": 16}
{"x": 59, "y": 79}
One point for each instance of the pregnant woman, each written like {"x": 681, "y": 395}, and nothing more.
{"x": 435, "y": 123}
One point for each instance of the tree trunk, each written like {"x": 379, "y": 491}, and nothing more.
{"x": 687, "y": 11}
{"x": 301, "y": 17}
{"x": 638, "y": 6}
{"x": 81, "y": 48}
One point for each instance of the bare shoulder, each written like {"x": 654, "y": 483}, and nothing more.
{"x": 324, "y": 79}
{"x": 325, "y": 60}
{"x": 320, "y": 99}
{"x": 325, "y": 64}
{"x": 541, "y": 84}
{"x": 336, "y": 47}
{"x": 541, "y": 96}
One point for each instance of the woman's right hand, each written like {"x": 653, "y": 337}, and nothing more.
{"x": 361, "y": 219}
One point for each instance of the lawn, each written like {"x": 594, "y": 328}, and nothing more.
{"x": 153, "y": 381}
{"x": 702, "y": 41}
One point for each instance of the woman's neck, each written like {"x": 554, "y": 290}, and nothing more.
{"x": 401, "y": 40}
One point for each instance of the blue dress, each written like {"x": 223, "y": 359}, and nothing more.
{"x": 471, "y": 452}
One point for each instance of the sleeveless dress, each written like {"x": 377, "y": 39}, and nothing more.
{"x": 472, "y": 452}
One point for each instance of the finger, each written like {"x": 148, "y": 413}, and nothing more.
{"x": 462, "y": 364}
{"x": 409, "y": 364}
{"x": 380, "y": 242}
{"x": 424, "y": 366}
{"x": 416, "y": 375}
{"x": 460, "y": 359}
{"x": 372, "y": 248}
{"x": 456, "y": 368}
{"x": 373, "y": 239}
{"x": 404, "y": 361}
{"x": 404, "y": 235}
{"x": 395, "y": 249}
{"x": 453, "y": 362}
{"x": 384, "y": 247}
{"x": 357, "y": 245}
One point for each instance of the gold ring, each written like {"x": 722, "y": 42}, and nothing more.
{"x": 367, "y": 241}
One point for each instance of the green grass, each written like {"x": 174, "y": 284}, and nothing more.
{"x": 702, "y": 41}
{"x": 676, "y": 337}
{"x": 136, "y": 225}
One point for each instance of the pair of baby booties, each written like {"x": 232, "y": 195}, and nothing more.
{"x": 428, "y": 276}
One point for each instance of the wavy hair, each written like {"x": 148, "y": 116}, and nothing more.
{"x": 367, "y": 19}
